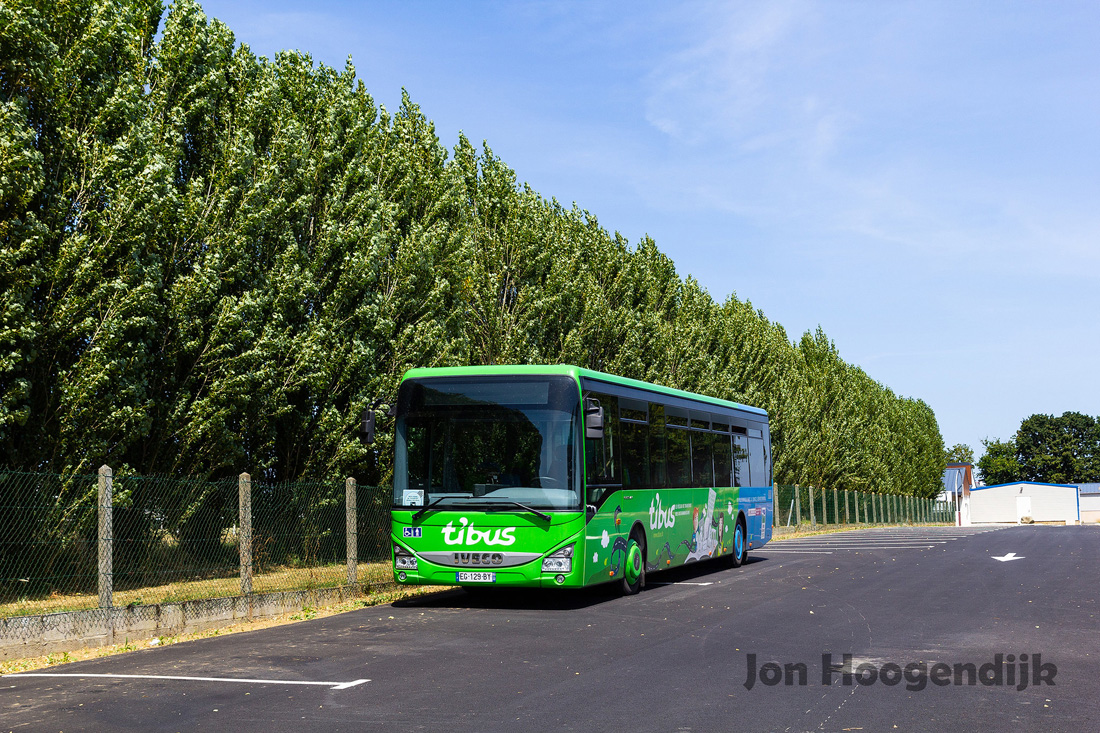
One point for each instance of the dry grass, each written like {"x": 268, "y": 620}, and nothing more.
{"x": 278, "y": 579}
{"x": 374, "y": 599}
{"x": 789, "y": 533}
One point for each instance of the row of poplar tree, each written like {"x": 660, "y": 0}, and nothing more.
{"x": 212, "y": 262}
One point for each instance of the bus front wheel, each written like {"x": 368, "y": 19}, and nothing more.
{"x": 634, "y": 571}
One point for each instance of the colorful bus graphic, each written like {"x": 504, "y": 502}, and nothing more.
{"x": 560, "y": 476}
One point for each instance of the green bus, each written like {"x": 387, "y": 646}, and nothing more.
{"x": 560, "y": 476}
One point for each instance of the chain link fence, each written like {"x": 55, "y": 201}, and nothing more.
{"x": 809, "y": 507}
{"x": 48, "y": 543}
{"x": 85, "y": 542}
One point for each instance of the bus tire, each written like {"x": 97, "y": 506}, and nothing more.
{"x": 740, "y": 545}
{"x": 634, "y": 565}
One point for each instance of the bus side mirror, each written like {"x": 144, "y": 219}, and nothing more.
{"x": 367, "y": 427}
{"x": 593, "y": 419}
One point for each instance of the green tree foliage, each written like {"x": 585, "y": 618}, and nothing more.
{"x": 212, "y": 262}
{"x": 1049, "y": 449}
{"x": 960, "y": 453}
{"x": 999, "y": 464}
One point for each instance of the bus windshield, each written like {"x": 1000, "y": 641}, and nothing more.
{"x": 487, "y": 443}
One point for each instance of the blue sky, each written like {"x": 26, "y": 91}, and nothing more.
{"x": 921, "y": 179}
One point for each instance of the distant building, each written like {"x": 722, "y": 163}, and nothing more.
{"x": 1025, "y": 502}
{"x": 956, "y": 477}
{"x": 1090, "y": 502}
{"x": 958, "y": 480}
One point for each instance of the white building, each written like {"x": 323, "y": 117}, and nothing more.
{"x": 1025, "y": 501}
{"x": 1090, "y": 502}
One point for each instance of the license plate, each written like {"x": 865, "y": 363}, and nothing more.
{"x": 466, "y": 577}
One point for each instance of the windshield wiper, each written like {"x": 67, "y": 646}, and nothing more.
{"x": 420, "y": 513}
{"x": 502, "y": 503}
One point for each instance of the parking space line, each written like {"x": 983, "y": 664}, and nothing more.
{"x": 868, "y": 540}
{"x": 872, "y": 539}
{"x": 765, "y": 550}
{"x": 331, "y": 685}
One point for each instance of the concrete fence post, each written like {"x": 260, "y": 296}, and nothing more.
{"x": 352, "y": 531}
{"x": 836, "y": 506}
{"x": 775, "y": 505}
{"x": 244, "y": 491}
{"x": 813, "y": 509}
{"x": 847, "y": 513}
{"x": 797, "y": 506}
{"x": 106, "y": 538}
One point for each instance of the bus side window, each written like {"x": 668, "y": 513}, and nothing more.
{"x": 658, "y": 477}
{"x": 601, "y": 456}
{"x": 723, "y": 460}
{"x": 756, "y": 457}
{"x": 741, "y": 459}
{"x": 635, "y": 463}
{"x": 702, "y": 458}
{"x": 678, "y": 448}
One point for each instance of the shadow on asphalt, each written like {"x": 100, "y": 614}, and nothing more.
{"x": 567, "y": 599}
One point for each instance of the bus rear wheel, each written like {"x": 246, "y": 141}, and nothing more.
{"x": 740, "y": 546}
{"x": 634, "y": 567}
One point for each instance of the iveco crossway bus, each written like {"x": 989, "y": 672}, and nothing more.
{"x": 559, "y": 476}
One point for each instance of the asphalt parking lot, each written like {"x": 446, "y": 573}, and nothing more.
{"x": 701, "y": 648}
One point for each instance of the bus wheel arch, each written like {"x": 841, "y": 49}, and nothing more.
{"x": 633, "y": 579}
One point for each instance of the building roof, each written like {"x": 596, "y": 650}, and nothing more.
{"x": 1025, "y": 483}
{"x": 1089, "y": 488}
{"x": 957, "y": 476}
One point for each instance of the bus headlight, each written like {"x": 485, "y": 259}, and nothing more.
{"x": 559, "y": 562}
{"x": 402, "y": 558}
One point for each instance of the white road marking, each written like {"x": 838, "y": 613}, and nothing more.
{"x": 870, "y": 539}
{"x": 893, "y": 540}
{"x": 679, "y": 582}
{"x": 857, "y": 543}
{"x": 332, "y": 685}
{"x": 1009, "y": 556}
{"x": 829, "y": 550}
{"x": 766, "y": 551}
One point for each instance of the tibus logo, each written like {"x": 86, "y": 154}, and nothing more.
{"x": 658, "y": 517}
{"x": 468, "y": 535}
